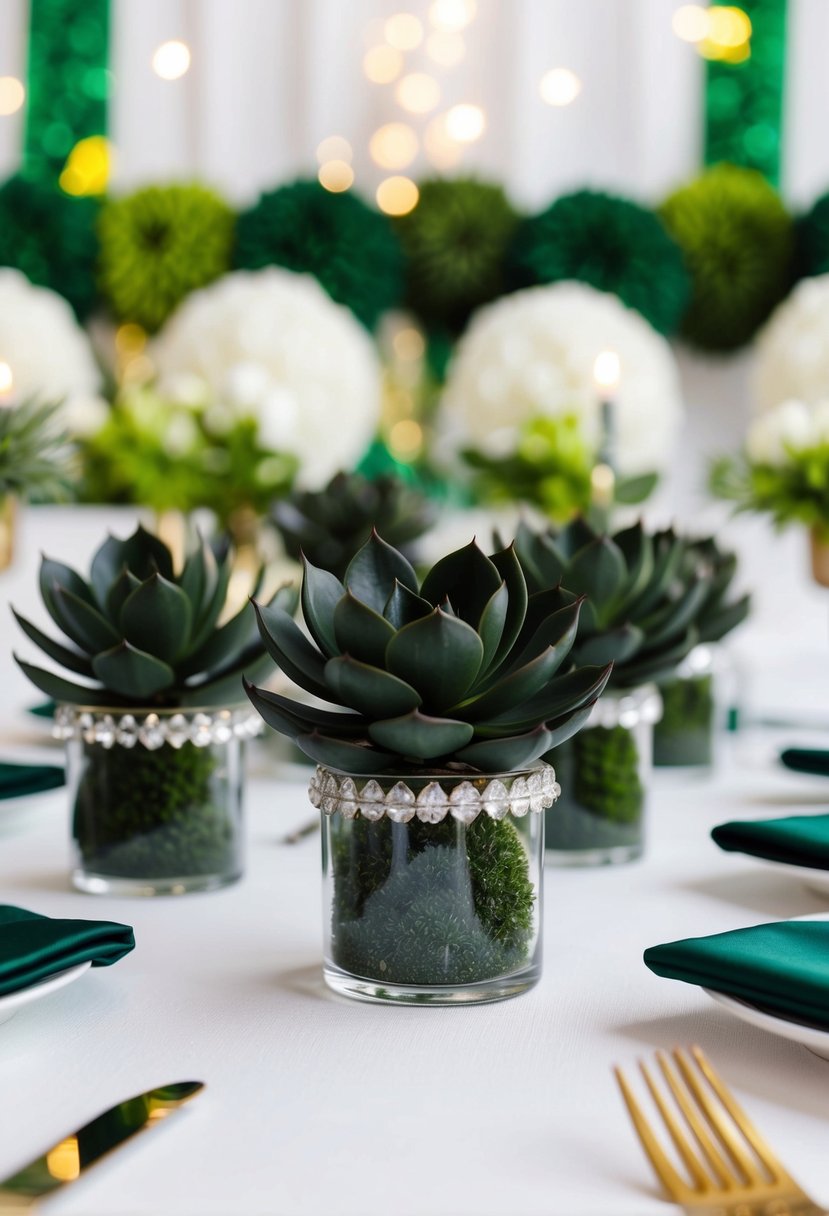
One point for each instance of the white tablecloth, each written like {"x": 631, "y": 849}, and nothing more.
{"x": 321, "y": 1106}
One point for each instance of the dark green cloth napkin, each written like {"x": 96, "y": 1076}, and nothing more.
{"x": 45, "y": 709}
{"x": 17, "y": 779}
{"x": 781, "y": 967}
{"x": 798, "y": 840}
{"x": 33, "y": 947}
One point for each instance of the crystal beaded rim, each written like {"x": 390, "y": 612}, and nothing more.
{"x": 153, "y": 728}
{"x": 531, "y": 790}
{"x": 627, "y": 707}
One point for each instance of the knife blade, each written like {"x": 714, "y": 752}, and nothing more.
{"x": 72, "y": 1156}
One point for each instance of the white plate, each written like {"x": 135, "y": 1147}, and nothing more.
{"x": 12, "y": 1001}
{"x": 815, "y": 1039}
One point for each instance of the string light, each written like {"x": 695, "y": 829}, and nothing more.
{"x": 560, "y": 87}
{"x": 171, "y": 60}
{"x": 382, "y": 64}
{"x": 445, "y": 48}
{"x": 394, "y": 146}
{"x": 334, "y": 148}
{"x": 12, "y": 95}
{"x": 403, "y": 31}
{"x": 418, "y": 93}
{"x": 465, "y": 123}
{"x": 397, "y": 195}
{"x": 336, "y": 176}
{"x": 452, "y": 15}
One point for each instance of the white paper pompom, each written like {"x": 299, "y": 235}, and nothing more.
{"x": 271, "y": 344}
{"x": 49, "y": 354}
{"x": 773, "y": 434}
{"x": 793, "y": 347}
{"x": 532, "y": 354}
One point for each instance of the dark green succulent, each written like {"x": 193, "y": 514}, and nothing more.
{"x": 462, "y": 669}
{"x": 331, "y": 524}
{"x": 718, "y": 615}
{"x": 645, "y": 593}
{"x": 143, "y": 634}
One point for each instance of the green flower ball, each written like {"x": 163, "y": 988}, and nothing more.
{"x": 812, "y": 240}
{"x": 455, "y": 241}
{"x": 50, "y": 236}
{"x": 612, "y": 244}
{"x": 738, "y": 242}
{"x": 158, "y": 245}
{"x": 350, "y": 248}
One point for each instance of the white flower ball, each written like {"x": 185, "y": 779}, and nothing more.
{"x": 793, "y": 347}
{"x": 772, "y": 435}
{"x": 272, "y": 344}
{"x": 49, "y": 354}
{"x": 532, "y": 353}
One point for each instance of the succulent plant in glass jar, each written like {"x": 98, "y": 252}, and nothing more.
{"x": 439, "y": 698}
{"x": 155, "y": 731}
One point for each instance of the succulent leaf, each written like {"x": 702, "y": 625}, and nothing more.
{"x": 508, "y": 566}
{"x": 290, "y": 649}
{"x": 419, "y": 736}
{"x": 467, "y": 578}
{"x": 62, "y": 690}
{"x": 321, "y": 592}
{"x": 56, "y": 574}
{"x": 569, "y": 692}
{"x": 142, "y": 553}
{"x": 440, "y": 655}
{"x": 157, "y": 617}
{"x": 87, "y": 628}
{"x": 132, "y": 672}
{"x": 503, "y": 755}
{"x": 372, "y": 572}
{"x": 615, "y": 646}
{"x": 304, "y": 718}
{"x": 403, "y": 606}
{"x": 343, "y": 754}
{"x": 72, "y": 660}
{"x": 360, "y": 631}
{"x": 369, "y": 690}
{"x": 598, "y": 572}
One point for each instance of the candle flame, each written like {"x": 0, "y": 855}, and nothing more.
{"x": 607, "y": 369}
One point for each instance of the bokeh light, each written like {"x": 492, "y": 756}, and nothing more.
{"x": 171, "y": 60}
{"x": 397, "y": 195}
{"x": 406, "y": 439}
{"x": 394, "y": 145}
{"x": 607, "y": 369}
{"x": 12, "y": 95}
{"x": 6, "y": 379}
{"x": 403, "y": 31}
{"x": 382, "y": 64}
{"x": 418, "y": 93}
{"x": 452, "y": 15}
{"x": 336, "y": 176}
{"x": 335, "y": 147}
{"x": 409, "y": 344}
{"x": 560, "y": 87}
{"x": 88, "y": 167}
{"x": 445, "y": 48}
{"x": 690, "y": 22}
{"x": 465, "y": 123}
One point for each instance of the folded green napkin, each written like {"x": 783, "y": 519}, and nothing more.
{"x": 45, "y": 709}
{"x": 17, "y": 779}
{"x": 806, "y": 760}
{"x": 33, "y": 947}
{"x": 798, "y": 840}
{"x": 782, "y": 967}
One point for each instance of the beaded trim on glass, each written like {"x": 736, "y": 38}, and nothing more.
{"x": 627, "y": 708}
{"x": 201, "y": 728}
{"x": 430, "y": 802}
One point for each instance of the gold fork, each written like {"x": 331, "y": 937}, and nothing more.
{"x": 733, "y": 1172}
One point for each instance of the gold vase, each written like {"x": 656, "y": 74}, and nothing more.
{"x": 819, "y": 543}
{"x": 8, "y": 515}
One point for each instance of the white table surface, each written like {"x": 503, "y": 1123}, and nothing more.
{"x": 321, "y": 1106}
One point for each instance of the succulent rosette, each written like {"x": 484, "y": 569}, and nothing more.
{"x": 462, "y": 672}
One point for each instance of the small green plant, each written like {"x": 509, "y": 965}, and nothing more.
{"x": 788, "y": 481}
{"x": 34, "y": 460}
{"x": 328, "y": 526}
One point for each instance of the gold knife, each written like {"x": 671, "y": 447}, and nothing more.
{"x": 71, "y": 1157}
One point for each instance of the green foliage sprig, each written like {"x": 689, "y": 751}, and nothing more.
{"x": 34, "y": 452}
{"x": 793, "y": 491}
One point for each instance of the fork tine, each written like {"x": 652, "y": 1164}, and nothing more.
{"x": 757, "y": 1142}
{"x": 702, "y": 1181}
{"x": 719, "y": 1167}
{"x": 673, "y": 1183}
{"x": 721, "y": 1127}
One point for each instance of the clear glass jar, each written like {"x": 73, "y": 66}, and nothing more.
{"x": 604, "y": 772}
{"x": 156, "y": 797}
{"x": 432, "y": 884}
{"x": 684, "y": 736}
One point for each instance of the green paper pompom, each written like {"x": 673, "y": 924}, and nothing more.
{"x": 50, "y": 236}
{"x": 612, "y": 244}
{"x": 737, "y": 238}
{"x": 812, "y": 240}
{"x": 350, "y": 248}
{"x": 455, "y": 241}
{"x": 158, "y": 245}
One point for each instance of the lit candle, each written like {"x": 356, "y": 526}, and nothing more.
{"x": 606, "y": 374}
{"x": 6, "y": 384}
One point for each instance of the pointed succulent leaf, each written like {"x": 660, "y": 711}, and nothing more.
{"x": 142, "y": 553}
{"x": 132, "y": 672}
{"x": 84, "y": 624}
{"x": 360, "y": 631}
{"x": 506, "y": 754}
{"x": 229, "y": 640}
{"x": 575, "y": 536}
{"x": 369, "y": 690}
{"x": 420, "y": 736}
{"x": 468, "y": 578}
{"x": 541, "y": 606}
{"x": 224, "y": 685}
{"x": 598, "y": 571}
{"x": 563, "y": 695}
{"x": 491, "y": 625}
{"x": 212, "y": 608}
{"x": 629, "y": 491}
{"x": 120, "y": 591}
{"x": 343, "y": 754}
{"x": 559, "y": 629}
{"x": 321, "y": 592}
{"x": 515, "y": 689}
{"x": 372, "y": 572}
{"x": 290, "y": 649}
{"x": 668, "y": 552}
{"x": 657, "y": 667}
{"x": 403, "y": 606}
{"x": 304, "y": 718}
{"x": 615, "y": 646}
{"x": 62, "y": 690}
{"x": 72, "y": 660}
{"x": 439, "y": 655}
{"x": 194, "y": 580}
{"x": 156, "y": 618}
{"x": 672, "y": 619}
{"x": 717, "y": 624}
{"x": 57, "y": 574}
{"x": 637, "y": 549}
{"x": 509, "y": 568}
{"x": 563, "y": 728}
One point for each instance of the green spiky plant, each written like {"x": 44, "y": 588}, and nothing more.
{"x": 645, "y": 593}
{"x": 685, "y": 733}
{"x": 144, "y": 636}
{"x": 331, "y": 524}
{"x": 34, "y": 453}
{"x": 458, "y": 675}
